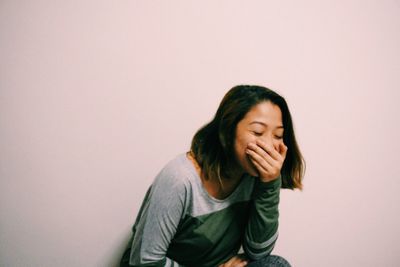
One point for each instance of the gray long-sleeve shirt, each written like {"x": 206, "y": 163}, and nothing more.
{"x": 179, "y": 223}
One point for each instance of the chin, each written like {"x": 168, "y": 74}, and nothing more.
{"x": 253, "y": 173}
{"x": 251, "y": 169}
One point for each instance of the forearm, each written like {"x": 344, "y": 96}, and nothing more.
{"x": 157, "y": 222}
{"x": 262, "y": 228}
{"x": 161, "y": 263}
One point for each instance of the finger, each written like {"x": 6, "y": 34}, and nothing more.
{"x": 272, "y": 152}
{"x": 264, "y": 146}
{"x": 261, "y": 165}
{"x": 264, "y": 154}
{"x": 229, "y": 263}
{"x": 238, "y": 262}
{"x": 283, "y": 150}
{"x": 241, "y": 263}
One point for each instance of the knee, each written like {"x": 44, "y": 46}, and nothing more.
{"x": 269, "y": 261}
{"x": 280, "y": 261}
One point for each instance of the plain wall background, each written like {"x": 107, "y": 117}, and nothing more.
{"x": 97, "y": 96}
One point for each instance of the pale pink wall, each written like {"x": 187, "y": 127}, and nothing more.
{"x": 96, "y": 96}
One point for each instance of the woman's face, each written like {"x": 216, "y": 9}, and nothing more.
{"x": 263, "y": 122}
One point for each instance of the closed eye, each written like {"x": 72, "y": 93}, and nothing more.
{"x": 257, "y": 133}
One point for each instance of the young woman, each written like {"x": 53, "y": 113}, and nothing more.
{"x": 223, "y": 194}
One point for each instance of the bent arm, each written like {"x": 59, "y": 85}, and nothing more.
{"x": 159, "y": 218}
{"x": 261, "y": 231}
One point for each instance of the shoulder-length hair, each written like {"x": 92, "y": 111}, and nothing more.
{"x": 213, "y": 144}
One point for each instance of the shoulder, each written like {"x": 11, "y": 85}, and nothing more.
{"x": 175, "y": 174}
{"x": 171, "y": 187}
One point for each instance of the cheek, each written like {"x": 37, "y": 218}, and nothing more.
{"x": 240, "y": 150}
{"x": 241, "y": 144}
{"x": 242, "y": 157}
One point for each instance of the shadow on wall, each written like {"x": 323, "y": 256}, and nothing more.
{"x": 119, "y": 251}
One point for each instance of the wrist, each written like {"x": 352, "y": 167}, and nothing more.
{"x": 268, "y": 179}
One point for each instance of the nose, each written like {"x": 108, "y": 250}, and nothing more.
{"x": 267, "y": 140}
{"x": 270, "y": 141}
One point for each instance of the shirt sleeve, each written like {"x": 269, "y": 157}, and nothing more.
{"x": 160, "y": 215}
{"x": 261, "y": 231}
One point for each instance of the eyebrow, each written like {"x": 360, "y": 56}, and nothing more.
{"x": 260, "y": 122}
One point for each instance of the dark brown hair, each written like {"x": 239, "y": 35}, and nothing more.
{"x": 213, "y": 144}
